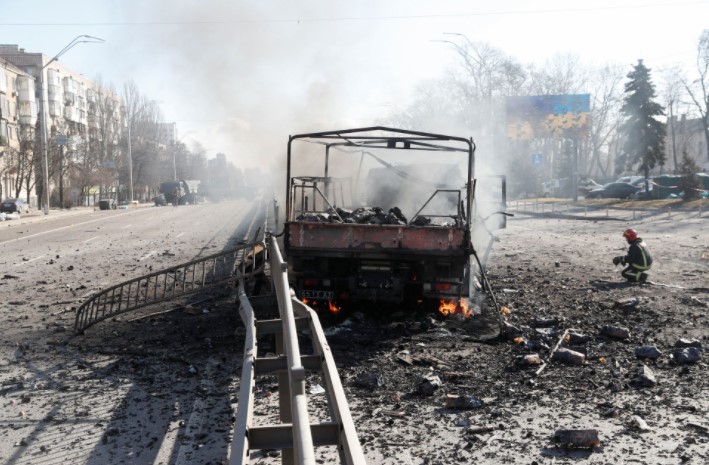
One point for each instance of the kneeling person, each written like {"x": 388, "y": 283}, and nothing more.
{"x": 637, "y": 261}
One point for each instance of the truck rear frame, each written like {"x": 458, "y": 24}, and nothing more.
{"x": 411, "y": 262}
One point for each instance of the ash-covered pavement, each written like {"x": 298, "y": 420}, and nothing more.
{"x": 127, "y": 391}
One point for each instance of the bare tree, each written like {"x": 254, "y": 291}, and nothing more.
{"x": 698, "y": 89}
{"x": 104, "y": 131}
{"x": 28, "y": 157}
{"x": 673, "y": 93}
{"x": 562, "y": 74}
{"x": 606, "y": 88}
{"x": 143, "y": 119}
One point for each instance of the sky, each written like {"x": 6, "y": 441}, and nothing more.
{"x": 239, "y": 76}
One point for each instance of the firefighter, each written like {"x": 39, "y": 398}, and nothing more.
{"x": 637, "y": 261}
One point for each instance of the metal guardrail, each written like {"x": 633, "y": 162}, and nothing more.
{"x": 170, "y": 283}
{"x": 295, "y": 435}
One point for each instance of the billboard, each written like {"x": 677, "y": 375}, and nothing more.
{"x": 541, "y": 116}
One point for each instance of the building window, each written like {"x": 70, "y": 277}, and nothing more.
{"x": 3, "y": 132}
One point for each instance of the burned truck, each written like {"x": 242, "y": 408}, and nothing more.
{"x": 183, "y": 192}
{"x": 384, "y": 215}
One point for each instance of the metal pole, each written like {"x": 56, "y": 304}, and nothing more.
{"x": 42, "y": 120}
{"x": 130, "y": 167}
{"x": 43, "y": 133}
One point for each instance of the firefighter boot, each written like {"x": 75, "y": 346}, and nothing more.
{"x": 643, "y": 278}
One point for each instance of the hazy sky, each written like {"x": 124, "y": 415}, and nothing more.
{"x": 240, "y": 76}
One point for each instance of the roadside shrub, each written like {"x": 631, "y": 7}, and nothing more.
{"x": 689, "y": 183}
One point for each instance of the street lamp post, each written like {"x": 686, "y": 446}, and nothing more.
{"x": 130, "y": 167}
{"x": 42, "y": 119}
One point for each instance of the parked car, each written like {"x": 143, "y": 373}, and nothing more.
{"x": 643, "y": 194}
{"x": 614, "y": 190}
{"x": 107, "y": 204}
{"x": 587, "y": 185}
{"x": 160, "y": 200}
{"x": 14, "y": 205}
{"x": 555, "y": 187}
{"x": 634, "y": 180}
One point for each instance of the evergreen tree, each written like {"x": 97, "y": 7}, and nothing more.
{"x": 644, "y": 135}
{"x": 689, "y": 183}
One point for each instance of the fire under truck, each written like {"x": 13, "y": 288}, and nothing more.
{"x": 387, "y": 215}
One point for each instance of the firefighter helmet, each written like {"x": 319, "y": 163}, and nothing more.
{"x": 630, "y": 235}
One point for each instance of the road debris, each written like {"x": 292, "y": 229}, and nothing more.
{"x": 648, "y": 352}
{"x": 577, "y": 438}
{"x": 429, "y": 384}
{"x": 687, "y": 355}
{"x": 636, "y": 422}
{"x": 645, "y": 377}
{"x": 569, "y": 356}
{"x": 616, "y": 332}
{"x": 454, "y": 401}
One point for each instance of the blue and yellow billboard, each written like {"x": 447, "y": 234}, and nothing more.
{"x": 540, "y": 116}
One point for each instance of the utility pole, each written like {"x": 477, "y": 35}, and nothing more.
{"x": 42, "y": 116}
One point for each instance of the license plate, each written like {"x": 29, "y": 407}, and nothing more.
{"x": 311, "y": 294}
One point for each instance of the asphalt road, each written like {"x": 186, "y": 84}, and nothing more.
{"x": 162, "y": 390}
{"x": 65, "y": 398}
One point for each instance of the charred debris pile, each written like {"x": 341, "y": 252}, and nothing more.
{"x": 366, "y": 215}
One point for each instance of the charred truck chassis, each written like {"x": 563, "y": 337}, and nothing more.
{"x": 411, "y": 262}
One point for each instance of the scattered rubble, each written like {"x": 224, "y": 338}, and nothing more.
{"x": 648, "y": 352}
{"x": 687, "y": 355}
{"x": 429, "y": 384}
{"x": 365, "y": 215}
{"x": 617, "y": 332}
{"x": 382, "y": 358}
{"x": 569, "y": 356}
{"x": 371, "y": 381}
{"x": 577, "y": 438}
{"x": 454, "y": 401}
{"x": 645, "y": 377}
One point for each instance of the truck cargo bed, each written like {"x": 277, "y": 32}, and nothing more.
{"x": 334, "y": 238}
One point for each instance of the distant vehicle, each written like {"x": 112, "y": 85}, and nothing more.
{"x": 107, "y": 204}
{"x": 587, "y": 185}
{"x": 614, "y": 190}
{"x": 634, "y": 180}
{"x": 555, "y": 187}
{"x": 644, "y": 194}
{"x": 160, "y": 200}
{"x": 14, "y": 205}
{"x": 125, "y": 204}
{"x": 187, "y": 192}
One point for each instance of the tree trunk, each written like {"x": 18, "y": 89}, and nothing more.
{"x": 61, "y": 177}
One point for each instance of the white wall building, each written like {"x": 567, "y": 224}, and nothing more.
{"x": 89, "y": 116}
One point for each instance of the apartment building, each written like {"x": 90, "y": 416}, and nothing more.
{"x": 686, "y": 135}
{"x": 18, "y": 117}
{"x": 83, "y": 120}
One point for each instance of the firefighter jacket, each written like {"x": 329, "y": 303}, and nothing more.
{"x": 638, "y": 256}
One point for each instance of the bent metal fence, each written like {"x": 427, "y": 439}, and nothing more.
{"x": 295, "y": 435}
{"x": 180, "y": 280}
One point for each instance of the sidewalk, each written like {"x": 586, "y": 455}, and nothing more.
{"x": 36, "y": 216}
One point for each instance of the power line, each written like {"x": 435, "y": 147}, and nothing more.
{"x": 673, "y": 4}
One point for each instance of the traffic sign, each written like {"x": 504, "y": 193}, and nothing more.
{"x": 537, "y": 158}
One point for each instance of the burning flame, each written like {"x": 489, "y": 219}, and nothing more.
{"x": 451, "y": 307}
{"x": 333, "y": 307}
{"x": 316, "y": 304}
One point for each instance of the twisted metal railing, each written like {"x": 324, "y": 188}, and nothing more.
{"x": 176, "y": 281}
{"x": 296, "y": 436}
